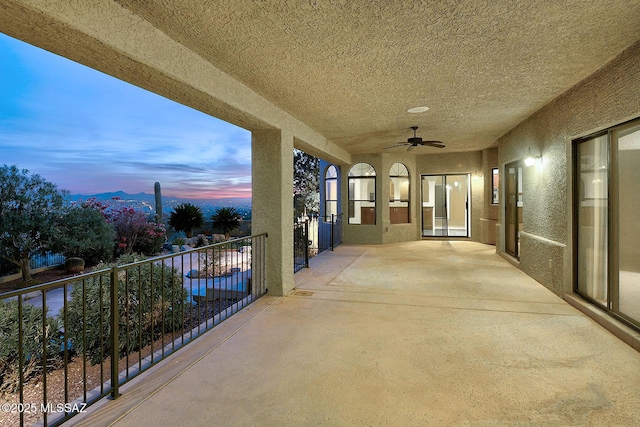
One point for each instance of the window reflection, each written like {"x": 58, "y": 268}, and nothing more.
{"x": 592, "y": 230}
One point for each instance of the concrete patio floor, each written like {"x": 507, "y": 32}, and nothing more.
{"x": 410, "y": 334}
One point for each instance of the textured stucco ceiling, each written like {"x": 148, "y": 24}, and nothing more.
{"x": 351, "y": 69}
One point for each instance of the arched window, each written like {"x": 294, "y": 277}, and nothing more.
{"x": 399, "y": 194}
{"x": 362, "y": 194}
{"x": 331, "y": 192}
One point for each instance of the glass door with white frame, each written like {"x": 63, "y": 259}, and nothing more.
{"x": 445, "y": 205}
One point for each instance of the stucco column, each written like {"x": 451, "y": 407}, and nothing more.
{"x": 272, "y": 203}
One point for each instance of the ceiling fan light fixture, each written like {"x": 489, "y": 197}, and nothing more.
{"x": 416, "y": 110}
{"x": 416, "y": 141}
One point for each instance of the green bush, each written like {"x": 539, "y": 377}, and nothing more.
{"x": 32, "y": 343}
{"x": 150, "y": 238}
{"x": 143, "y": 318}
{"x": 87, "y": 235}
{"x": 74, "y": 265}
{"x": 201, "y": 241}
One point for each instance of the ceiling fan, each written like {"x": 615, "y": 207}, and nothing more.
{"x": 415, "y": 141}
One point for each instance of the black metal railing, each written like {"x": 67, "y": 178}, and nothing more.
{"x": 314, "y": 235}
{"x": 329, "y": 232}
{"x": 67, "y": 344}
{"x": 300, "y": 245}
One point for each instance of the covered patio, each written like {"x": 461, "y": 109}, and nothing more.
{"x": 414, "y": 333}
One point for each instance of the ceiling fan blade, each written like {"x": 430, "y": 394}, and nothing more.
{"x": 437, "y": 144}
{"x": 411, "y": 147}
{"x": 400, "y": 144}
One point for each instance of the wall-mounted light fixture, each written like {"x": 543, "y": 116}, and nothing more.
{"x": 531, "y": 160}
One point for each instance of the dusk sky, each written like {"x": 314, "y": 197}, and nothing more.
{"x": 89, "y": 133}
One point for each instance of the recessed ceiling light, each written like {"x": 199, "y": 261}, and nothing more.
{"x": 417, "y": 109}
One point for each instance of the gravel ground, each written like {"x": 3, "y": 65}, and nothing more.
{"x": 77, "y": 370}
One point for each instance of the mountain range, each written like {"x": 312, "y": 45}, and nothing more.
{"x": 149, "y": 197}
{"x": 146, "y": 201}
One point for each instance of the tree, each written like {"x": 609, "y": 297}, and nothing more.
{"x": 135, "y": 232}
{"x": 306, "y": 193}
{"x": 130, "y": 225}
{"x": 31, "y": 213}
{"x": 227, "y": 220}
{"x": 185, "y": 217}
{"x": 87, "y": 235}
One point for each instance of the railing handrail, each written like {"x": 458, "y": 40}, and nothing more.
{"x": 190, "y": 250}
{"x": 53, "y": 284}
{"x": 59, "y": 282}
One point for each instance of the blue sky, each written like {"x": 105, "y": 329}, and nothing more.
{"x": 90, "y": 133}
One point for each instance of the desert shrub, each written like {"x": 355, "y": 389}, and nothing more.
{"x": 87, "y": 235}
{"x": 211, "y": 259}
{"x": 148, "y": 298}
{"x": 32, "y": 343}
{"x": 201, "y": 240}
{"x": 150, "y": 238}
{"x": 74, "y": 265}
{"x": 134, "y": 232}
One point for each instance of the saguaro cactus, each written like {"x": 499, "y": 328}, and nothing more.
{"x": 156, "y": 188}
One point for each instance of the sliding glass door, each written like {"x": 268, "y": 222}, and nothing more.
{"x": 445, "y": 205}
{"x": 593, "y": 211}
{"x": 513, "y": 208}
{"x": 607, "y": 229}
{"x": 626, "y": 254}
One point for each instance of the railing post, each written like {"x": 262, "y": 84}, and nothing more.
{"x": 44, "y": 352}
{"x": 306, "y": 243}
{"x": 331, "y": 233}
{"x": 115, "y": 345}
{"x": 20, "y": 356}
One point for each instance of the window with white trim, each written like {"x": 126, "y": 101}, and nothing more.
{"x": 399, "y": 194}
{"x": 362, "y": 194}
{"x": 330, "y": 192}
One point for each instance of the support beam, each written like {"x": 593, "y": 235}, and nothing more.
{"x": 272, "y": 203}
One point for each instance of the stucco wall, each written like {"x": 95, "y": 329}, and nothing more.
{"x": 489, "y": 217}
{"x": 361, "y": 234}
{"x": 608, "y": 97}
